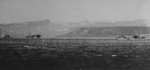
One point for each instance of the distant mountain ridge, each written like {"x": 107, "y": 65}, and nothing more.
{"x": 107, "y": 32}
{"x": 87, "y": 23}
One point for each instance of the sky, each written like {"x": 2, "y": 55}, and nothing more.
{"x": 73, "y": 10}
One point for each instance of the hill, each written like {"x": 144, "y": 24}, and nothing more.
{"x": 22, "y": 29}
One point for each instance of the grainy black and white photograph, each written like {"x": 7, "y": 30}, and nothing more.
{"x": 74, "y": 34}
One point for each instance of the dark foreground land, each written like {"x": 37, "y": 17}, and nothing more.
{"x": 74, "y": 54}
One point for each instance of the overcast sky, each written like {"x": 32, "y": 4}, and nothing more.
{"x": 73, "y": 10}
